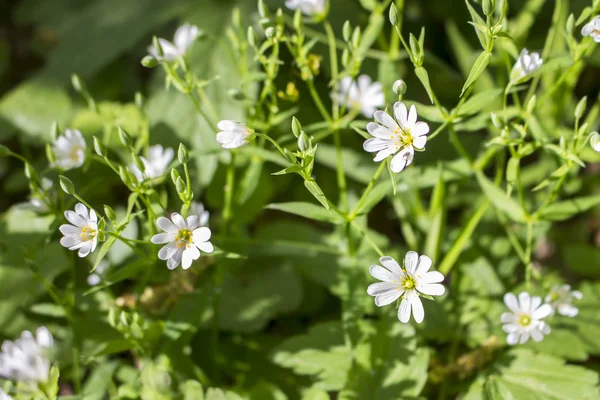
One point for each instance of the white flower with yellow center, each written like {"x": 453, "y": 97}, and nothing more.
{"x": 363, "y": 94}
{"x": 197, "y": 208}
{"x": 525, "y": 318}
{"x": 232, "y": 134}
{"x": 408, "y": 283}
{"x": 185, "y": 35}
{"x": 184, "y": 238}
{"x": 82, "y": 233}
{"x": 526, "y": 64}
{"x": 155, "y": 165}
{"x": 561, "y": 298}
{"x": 69, "y": 150}
{"x": 25, "y": 358}
{"x": 308, "y": 7}
{"x": 592, "y": 29}
{"x": 401, "y": 135}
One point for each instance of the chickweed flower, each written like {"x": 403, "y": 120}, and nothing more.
{"x": 197, "y": 208}
{"x": 408, "y": 283}
{"x": 308, "y": 7}
{"x": 592, "y": 29}
{"x": 155, "y": 165}
{"x": 82, "y": 232}
{"x": 232, "y": 134}
{"x": 362, "y": 94}
{"x": 401, "y": 135}
{"x": 526, "y": 64}
{"x": 184, "y": 238}
{"x": 184, "y": 37}
{"x": 24, "y": 359}
{"x": 560, "y": 299}
{"x": 69, "y": 150}
{"x": 525, "y": 318}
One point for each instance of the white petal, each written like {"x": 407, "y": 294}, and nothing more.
{"x": 410, "y": 262}
{"x": 392, "y": 265}
{"x": 175, "y": 260}
{"x": 385, "y": 153}
{"x": 375, "y": 144}
{"x": 508, "y": 318}
{"x": 542, "y": 312}
{"x": 201, "y": 234}
{"x": 524, "y": 337}
{"x": 167, "y": 251}
{"x": 193, "y": 221}
{"x": 536, "y": 335}
{"x": 419, "y": 142}
{"x": 161, "y": 238}
{"x": 401, "y": 114}
{"x": 185, "y": 36}
{"x": 423, "y": 265}
{"x": 44, "y": 337}
{"x": 387, "y": 297}
{"x": 512, "y": 338}
{"x": 93, "y": 216}
{"x": 70, "y": 241}
{"x": 432, "y": 289}
{"x": 178, "y": 221}
{"x": 189, "y": 255}
{"x": 417, "y": 307}
{"x": 535, "y": 303}
{"x": 577, "y": 294}
{"x": 206, "y": 247}
{"x": 524, "y": 301}
{"x": 166, "y": 225}
{"x": 432, "y": 277}
{"x": 386, "y": 120}
{"x": 509, "y": 328}
{"x": 69, "y": 230}
{"x": 381, "y": 273}
{"x": 379, "y": 131}
{"x": 511, "y": 302}
{"x": 85, "y": 249}
{"x": 404, "y": 311}
{"x": 75, "y": 219}
{"x": 378, "y": 288}
{"x": 82, "y": 210}
{"x": 402, "y": 159}
{"x": 412, "y": 116}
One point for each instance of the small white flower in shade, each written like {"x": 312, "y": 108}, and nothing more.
{"x": 184, "y": 238}
{"x": 82, "y": 233}
{"x": 155, "y": 165}
{"x": 363, "y": 94}
{"x": 560, "y": 299}
{"x": 401, "y": 135}
{"x": 39, "y": 200}
{"x": 592, "y": 29}
{"x": 232, "y": 134}
{"x": 525, "y": 318}
{"x": 69, "y": 150}
{"x": 184, "y": 37}
{"x": 407, "y": 283}
{"x": 4, "y": 395}
{"x": 595, "y": 141}
{"x": 25, "y": 359}
{"x": 96, "y": 277}
{"x": 308, "y": 7}
{"x": 197, "y": 208}
{"x": 526, "y": 64}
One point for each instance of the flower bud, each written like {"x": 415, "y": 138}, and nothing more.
{"x": 298, "y": 20}
{"x": 347, "y": 31}
{"x": 356, "y": 37}
{"x": 77, "y": 84}
{"x": 99, "y": 147}
{"x": 303, "y": 142}
{"x": 236, "y": 18}
{"x": 595, "y": 141}
{"x": 251, "y": 36}
{"x": 30, "y": 172}
{"x": 139, "y": 100}
{"x": 183, "y": 154}
{"x": 125, "y": 176}
{"x": 180, "y": 185}
{"x": 123, "y": 318}
{"x": 496, "y": 121}
{"x": 149, "y": 62}
{"x": 531, "y": 104}
{"x": 270, "y": 32}
{"x": 345, "y": 57}
{"x": 263, "y": 10}
{"x": 124, "y": 137}
{"x": 570, "y": 24}
{"x": 296, "y": 127}
{"x": 174, "y": 175}
{"x": 399, "y": 87}
{"x": 393, "y": 14}
{"x": 581, "y": 106}
{"x": 487, "y": 7}
{"x": 138, "y": 161}
{"x": 50, "y": 154}
{"x": 110, "y": 213}
{"x": 66, "y": 184}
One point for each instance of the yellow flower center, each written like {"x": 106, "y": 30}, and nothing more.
{"x": 88, "y": 233}
{"x": 524, "y": 320}
{"x": 184, "y": 237}
{"x": 74, "y": 153}
{"x": 408, "y": 283}
{"x": 402, "y": 138}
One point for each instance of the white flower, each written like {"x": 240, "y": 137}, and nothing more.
{"x": 308, "y": 7}
{"x": 407, "y": 283}
{"x": 96, "y": 277}
{"x": 69, "y": 150}
{"x": 197, "y": 208}
{"x": 526, "y": 64}
{"x": 525, "y": 319}
{"x": 592, "y": 29}
{"x": 155, "y": 165}
{"x": 595, "y": 141}
{"x": 402, "y": 135}
{"x": 82, "y": 233}
{"x": 184, "y": 37}
{"x": 363, "y": 94}
{"x": 185, "y": 239}
{"x": 4, "y": 396}
{"x": 232, "y": 134}
{"x": 24, "y": 359}
{"x": 39, "y": 199}
{"x": 560, "y": 299}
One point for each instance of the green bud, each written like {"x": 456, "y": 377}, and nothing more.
{"x": 251, "y": 36}
{"x": 345, "y": 57}
{"x": 66, "y": 184}
{"x": 54, "y": 131}
{"x": 110, "y": 213}
{"x": 356, "y": 36}
{"x": 270, "y": 32}
{"x": 4, "y": 151}
{"x": 138, "y": 161}
{"x": 263, "y": 10}
{"x": 174, "y": 175}
{"x": 570, "y": 24}
{"x": 347, "y": 31}
{"x": 183, "y": 154}
{"x": 497, "y": 121}
{"x": 487, "y": 7}
{"x": 77, "y": 84}
{"x": 124, "y": 137}
{"x": 125, "y": 176}
{"x": 50, "y": 154}
{"x": 393, "y": 14}
{"x": 399, "y": 87}
{"x": 123, "y": 318}
{"x": 296, "y": 127}
{"x": 279, "y": 17}
{"x": 236, "y": 18}
{"x": 298, "y": 20}
{"x": 180, "y": 185}
{"x": 531, "y": 104}
{"x": 157, "y": 46}
{"x": 149, "y": 62}
{"x": 595, "y": 141}
{"x": 581, "y": 106}
{"x": 303, "y": 142}
{"x": 30, "y": 172}
{"x": 138, "y": 99}
{"x": 583, "y": 129}
{"x": 415, "y": 48}
{"x": 99, "y": 147}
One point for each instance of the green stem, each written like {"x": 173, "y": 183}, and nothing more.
{"x": 368, "y": 239}
{"x": 317, "y": 100}
{"x": 529, "y": 265}
{"x": 341, "y": 177}
{"x": 198, "y": 107}
{"x": 352, "y": 215}
{"x": 334, "y": 68}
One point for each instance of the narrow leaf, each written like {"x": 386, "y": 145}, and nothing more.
{"x": 480, "y": 65}
{"x": 500, "y": 200}
{"x": 307, "y": 210}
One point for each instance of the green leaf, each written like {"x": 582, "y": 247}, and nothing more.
{"x": 466, "y": 56}
{"x": 424, "y": 78}
{"x": 480, "y": 65}
{"x": 479, "y": 101}
{"x": 500, "y": 200}
{"x": 97, "y": 384}
{"x": 192, "y": 390}
{"x": 316, "y": 191}
{"x": 437, "y": 214}
{"x": 477, "y": 20}
{"x": 104, "y": 251}
{"x": 568, "y": 208}
{"x": 495, "y": 390}
{"x": 307, "y": 210}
